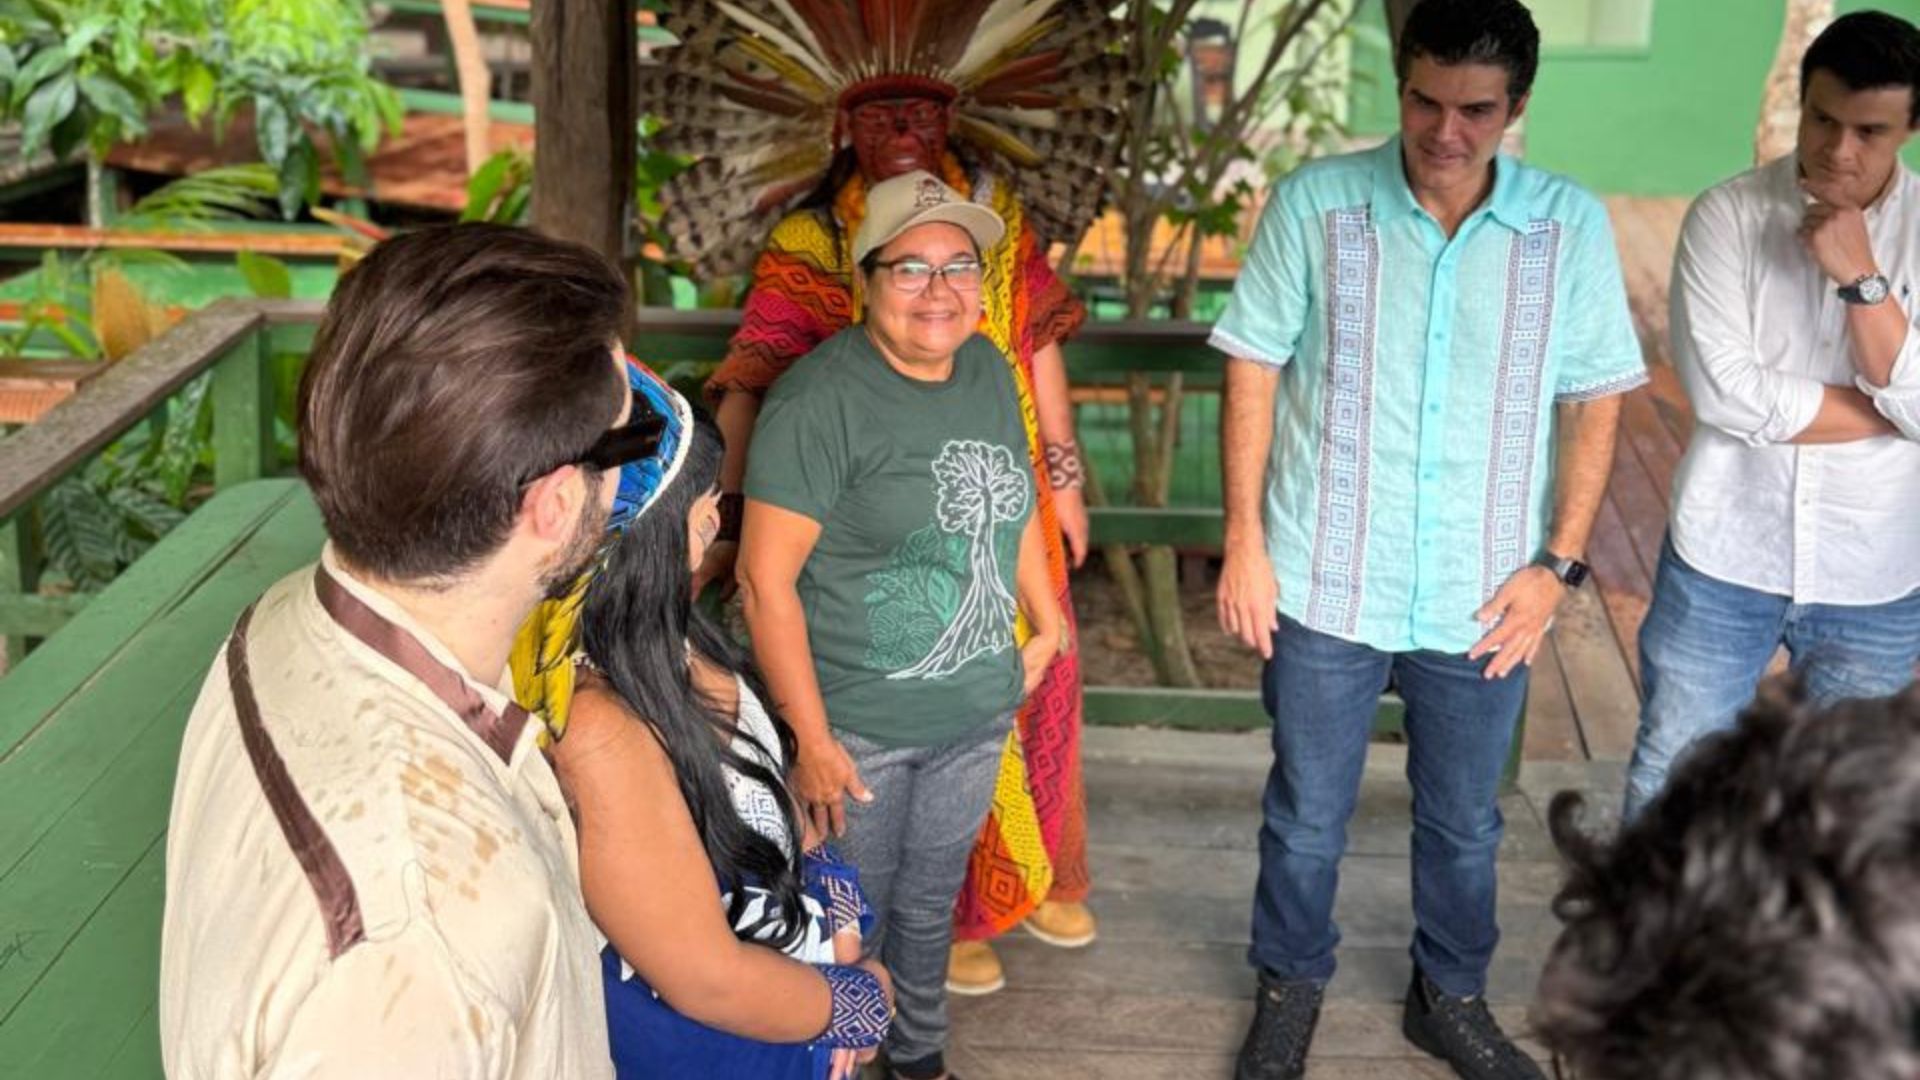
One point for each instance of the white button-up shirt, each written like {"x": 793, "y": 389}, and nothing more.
{"x": 1758, "y": 332}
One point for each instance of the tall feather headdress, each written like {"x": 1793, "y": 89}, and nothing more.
{"x": 754, "y": 88}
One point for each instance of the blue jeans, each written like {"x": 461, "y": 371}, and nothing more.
{"x": 1706, "y": 643}
{"x": 1322, "y": 693}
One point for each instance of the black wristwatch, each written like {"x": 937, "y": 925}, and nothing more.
{"x": 1571, "y": 572}
{"x": 1868, "y": 290}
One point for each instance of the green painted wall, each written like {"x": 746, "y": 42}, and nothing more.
{"x": 1672, "y": 119}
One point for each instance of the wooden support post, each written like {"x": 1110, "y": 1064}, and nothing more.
{"x": 584, "y": 53}
{"x": 19, "y": 571}
{"x": 243, "y": 412}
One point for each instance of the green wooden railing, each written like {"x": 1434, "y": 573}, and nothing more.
{"x": 233, "y": 340}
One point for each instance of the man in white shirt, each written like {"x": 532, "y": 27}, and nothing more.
{"x": 1796, "y": 511}
{"x": 370, "y": 868}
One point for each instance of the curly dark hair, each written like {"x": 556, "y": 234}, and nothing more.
{"x": 1761, "y": 919}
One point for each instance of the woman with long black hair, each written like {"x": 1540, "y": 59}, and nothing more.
{"x": 733, "y": 941}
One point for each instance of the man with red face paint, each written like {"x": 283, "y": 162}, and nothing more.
{"x": 881, "y": 122}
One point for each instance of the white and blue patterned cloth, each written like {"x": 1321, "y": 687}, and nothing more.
{"x": 1412, "y": 464}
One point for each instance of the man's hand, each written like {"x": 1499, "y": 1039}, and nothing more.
{"x": 823, "y": 776}
{"x": 717, "y": 566}
{"x": 1070, "y": 506}
{"x": 1523, "y": 612}
{"x": 1834, "y": 232}
{"x": 1249, "y": 597}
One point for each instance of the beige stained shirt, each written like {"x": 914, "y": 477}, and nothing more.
{"x": 407, "y": 902}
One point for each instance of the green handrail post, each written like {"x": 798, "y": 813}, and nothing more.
{"x": 19, "y": 575}
{"x": 243, "y": 412}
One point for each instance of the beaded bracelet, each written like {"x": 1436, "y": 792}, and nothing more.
{"x": 1065, "y": 470}
{"x": 847, "y": 904}
{"x": 861, "y": 1013}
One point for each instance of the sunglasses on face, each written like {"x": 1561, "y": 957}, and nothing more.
{"x": 636, "y": 440}
{"x": 639, "y": 437}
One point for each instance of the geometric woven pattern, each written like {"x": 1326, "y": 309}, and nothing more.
{"x": 1340, "y": 534}
{"x": 861, "y": 1013}
{"x": 1525, "y": 331}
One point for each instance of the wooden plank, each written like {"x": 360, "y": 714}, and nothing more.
{"x": 584, "y": 61}
{"x": 161, "y": 669}
{"x": 30, "y": 388}
{"x": 1642, "y": 508}
{"x": 1551, "y": 732}
{"x": 36, "y": 615}
{"x": 1106, "y": 349}
{"x": 47, "y": 896}
{"x": 1598, "y": 683}
{"x": 35, "y": 458}
{"x": 150, "y": 588}
{"x": 424, "y": 166}
{"x": 1201, "y": 710}
{"x": 243, "y": 413}
{"x": 139, "y": 1055}
{"x": 1182, "y": 527}
{"x": 439, "y": 101}
{"x": 1653, "y": 442}
{"x": 310, "y": 244}
{"x": 98, "y": 991}
{"x": 1624, "y": 586}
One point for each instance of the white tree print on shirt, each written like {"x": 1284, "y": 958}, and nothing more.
{"x": 978, "y": 487}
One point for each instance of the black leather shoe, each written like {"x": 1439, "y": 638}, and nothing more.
{"x": 1461, "y": 1032}
{"x": 1284, "y": 1016}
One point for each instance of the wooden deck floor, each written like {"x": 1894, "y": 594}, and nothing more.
{"x": 1585, "y": 700}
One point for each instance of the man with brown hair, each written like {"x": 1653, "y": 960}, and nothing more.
{"x": 370, "y": 869}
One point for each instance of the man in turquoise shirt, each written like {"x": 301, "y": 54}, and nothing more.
{"x": 1428, "y": 343}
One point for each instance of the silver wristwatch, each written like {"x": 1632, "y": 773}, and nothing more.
{"x": 1869, "y": 289}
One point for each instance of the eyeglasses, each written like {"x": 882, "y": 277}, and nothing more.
{"x": 912, "y": 276}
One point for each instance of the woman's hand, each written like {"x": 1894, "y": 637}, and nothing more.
{"x": 1035, "y": 657}
{"x": 1070, "y": 507}
{"x": 823, "y": 776}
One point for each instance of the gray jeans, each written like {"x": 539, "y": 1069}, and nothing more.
{"x": 911, "y": 845}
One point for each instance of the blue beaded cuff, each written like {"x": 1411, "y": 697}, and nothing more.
{"x": 839, "y": 882}
{"x": 861, "y": 1012}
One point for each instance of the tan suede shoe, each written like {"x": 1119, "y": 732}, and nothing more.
{"x": 1063, "y": 924}
{"x": 973, "y": 969}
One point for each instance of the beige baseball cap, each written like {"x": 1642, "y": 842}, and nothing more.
{"x": 916, "y": 198}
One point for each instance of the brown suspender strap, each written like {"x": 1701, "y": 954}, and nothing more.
{"x": 500, "y": 731}
{"x": 332, "y": 887}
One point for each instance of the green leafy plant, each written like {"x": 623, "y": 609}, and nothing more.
{"x": 95, "y": 524}
{"x": 1177, "y": 168}
{"x": 499, "y": 190}
{"x": 91, "y": 72}
{"x": 61, "y": 311}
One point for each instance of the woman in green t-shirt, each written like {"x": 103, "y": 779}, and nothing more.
{"x": 889, "y": 549}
